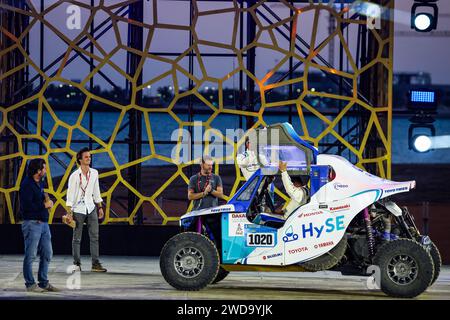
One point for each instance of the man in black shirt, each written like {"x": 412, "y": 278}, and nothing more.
{"x": 34, "y": 207}
{"x": 205, "y": 188}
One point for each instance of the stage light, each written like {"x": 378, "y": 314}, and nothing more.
{"x": 424, "y": 15}
{"x": 422, "y": 143}
{"x": 423, "y": 100}
{"x": 423, "y": 96}
{"x": 422, "y": 21}
{"x": 420, "y": 137}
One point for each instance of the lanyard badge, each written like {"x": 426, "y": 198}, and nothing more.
{"x": 83, "y": 189}
{"x": 208, "y": 177}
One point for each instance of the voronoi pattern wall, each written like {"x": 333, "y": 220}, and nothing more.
{"x": 267, "y": 39}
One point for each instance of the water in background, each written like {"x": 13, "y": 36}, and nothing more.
{"x": 163, "y": 125}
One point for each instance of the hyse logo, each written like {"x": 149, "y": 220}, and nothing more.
{"x": 331, "y": 224}
{"x": 290, "y": 235}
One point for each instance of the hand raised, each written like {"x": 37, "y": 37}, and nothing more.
{"x": 282, "y": 166}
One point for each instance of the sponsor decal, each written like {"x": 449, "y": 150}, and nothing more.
{"x": 260, "y": 240}
{"x": 290, "y": 235}
{"x": 236, "y": 224}
{"x": 260, "y": 236}
{"x": 310, "y": 214}
{"x": 395, "y": 190}
{"x": 340, "y": 208}
{"x": 272, "y": 256}
{"x": 339, "y": 186}
{"x": 331, "y": 225}
{"x": 239, "y": 230}
{"x": 224, "y": 209}
{"x": 323, "y": 206}
{"x": 298, "y": 250}
{"x": 323, "y": 244}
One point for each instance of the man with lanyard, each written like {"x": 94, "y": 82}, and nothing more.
{"x": 84, "y": 201}
{"x": 34, "y": 207}
{"x": 205, "y": 188}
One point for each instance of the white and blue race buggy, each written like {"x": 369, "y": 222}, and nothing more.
{"x": 348, "y": 224}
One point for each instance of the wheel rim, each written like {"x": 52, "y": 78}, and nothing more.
{"x": 402, "y": 269}
{"x": 189, "y": 262}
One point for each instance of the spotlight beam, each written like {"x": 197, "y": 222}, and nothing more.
{"x": 440, "y": 142}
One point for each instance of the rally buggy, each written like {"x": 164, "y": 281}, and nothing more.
{"x": 348, "y": 224}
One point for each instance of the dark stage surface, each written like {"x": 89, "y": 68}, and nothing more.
{"x": 139, "y": 278}
{"x": 114, "y": 239}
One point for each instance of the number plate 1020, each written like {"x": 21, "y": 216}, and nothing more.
{"x": 260, "y": 240}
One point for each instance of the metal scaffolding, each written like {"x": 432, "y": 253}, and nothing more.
{"x": 374, "y": 86}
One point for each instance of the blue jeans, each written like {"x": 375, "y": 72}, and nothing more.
{"x": 38, "y": 240}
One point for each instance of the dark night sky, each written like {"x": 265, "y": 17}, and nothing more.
{"x": 411, "y": 54}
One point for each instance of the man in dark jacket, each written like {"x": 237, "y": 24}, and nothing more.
{"x": 36, "y": 232}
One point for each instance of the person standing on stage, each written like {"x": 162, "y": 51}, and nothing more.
{"x": 34, "y": 205}
{"x": 205, "y": 187}
{"x": 85, "y": 204}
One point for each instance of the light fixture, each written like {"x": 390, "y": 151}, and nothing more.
{"x": 420, "y": 137}
{"x": 422, "y": 21}
{"x": 424, "y": 100}
{"x": 422, "y": 143}
{"x": 424, "y": 15}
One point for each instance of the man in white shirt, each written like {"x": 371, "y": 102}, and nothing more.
{"x": 294, "y": 188}
{"x": 247, "y": 161}
{"x": 85, "y": 203}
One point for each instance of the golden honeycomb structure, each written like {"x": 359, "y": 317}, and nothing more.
{"x": 263, "y": 85}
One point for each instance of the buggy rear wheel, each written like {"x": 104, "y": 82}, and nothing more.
{"x": 406, "y": 268}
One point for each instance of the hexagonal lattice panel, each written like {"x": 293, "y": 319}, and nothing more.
{"x": 266, "y": 41}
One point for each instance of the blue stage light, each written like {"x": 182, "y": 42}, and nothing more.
{"x": 423, "y": 99}
{"x": 423, "y": 96}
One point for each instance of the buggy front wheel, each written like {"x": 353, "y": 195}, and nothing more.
{"x": 189, "y": 261}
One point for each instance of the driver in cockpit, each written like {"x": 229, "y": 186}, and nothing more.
{"x": 294, "y": 188}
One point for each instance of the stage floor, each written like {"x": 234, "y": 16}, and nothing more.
{"x": 140, "y": 278}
